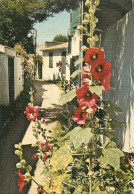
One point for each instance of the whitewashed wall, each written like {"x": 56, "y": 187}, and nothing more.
{"x": 6, "y": 52}
{"x": 4, "y": 91}
{"x": 18, "y": 76}
{"x": 51, "y": 73}
{"x": 118, "y": 42}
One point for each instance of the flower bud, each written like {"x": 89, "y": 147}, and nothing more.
{"x": 18, "y": 152}
{"x": 29, "y": 168}
{"x": 84, "y": 48}
{"x": 97, "y": 2}
{"x": 18, "y": 165}
{"x": 85, "y": 21}
{"x": 18, "y": 146}
{"x": 80, "y": 27}
{"x": 91, "y": 11}
{"x": 87, "y": 3}
{"x": 23, "y": 162}
{"x": 28, "y": 176}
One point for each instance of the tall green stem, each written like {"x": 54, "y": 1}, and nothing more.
{"x": 91, "y": 24}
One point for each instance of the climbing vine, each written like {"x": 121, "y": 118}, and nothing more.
{"x": 87, "y": 160}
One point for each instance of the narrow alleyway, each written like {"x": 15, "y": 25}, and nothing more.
{"x": 47, "y": 97}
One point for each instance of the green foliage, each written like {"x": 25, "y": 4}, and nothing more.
{"x": 59, "y": 162}
{"x": 78, "y": 62}
{"x": 79, "y": 136}
{"x": 111, "y": 156}
{"x": 68, "y": 97}
{"x": 60, "y": 38}
{"x": 112, "y": 107}
{"x": 97, "y": 89}
{"x": 27, "y": 13}
{"x": 77, "y": 72}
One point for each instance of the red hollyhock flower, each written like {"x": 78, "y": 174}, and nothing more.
{"x": 80, "y": 115}
{"x": 85, "y": 79}
{"x": 21, "y": 181}
{"x": 106, "y": 81}
{"x": 32, "y": 112}
{"x": 45, "y": 146}
{"x": 85, "y": 97}
{"x": 40, "y": 190}
{"x": 94, "y": 56}
{"x": 35, "y": 157}
{"x": 85, "y": 69}
{"x": 102, "y": 73}
{"x": 45, "y": 156}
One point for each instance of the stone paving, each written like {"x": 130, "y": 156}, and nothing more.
{"x": 20, "y": 130}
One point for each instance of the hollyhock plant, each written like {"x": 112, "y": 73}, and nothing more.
{"x": 85, "y": 97}
{"x": 80, "y": 116}
{"x": 21, "y": 181}
{"x": 32, "y": 112}
{"x": 94, "y": 56}
{"x": 45, "y": 146}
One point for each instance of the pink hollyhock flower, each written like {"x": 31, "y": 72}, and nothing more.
{"x": 94, "y": 108}
{"x": 80, "y": 116}
{"x": 94, "y": 56}
{"x": 85, "y": 69}
{"x": 21, "y": 181}
{"x": 25, "y": 67}
{"x": 45, "y": 156}
{"x": 86, "y": 79}
{"x": 35, "y": 157}
{"x": 40, "y": 190}
{"x": 45, "y": 146}
{"x": 85, "y": 97}
{"x": 32, "y": 112}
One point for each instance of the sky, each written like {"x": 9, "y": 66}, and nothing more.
{"x": 58, "y": 24}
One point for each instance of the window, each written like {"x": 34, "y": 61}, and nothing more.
{"x": 50, "y": 60}
{"x": 63, "y": 54}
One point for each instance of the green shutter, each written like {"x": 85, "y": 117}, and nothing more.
{"x": 74, "y": 20}
{"x": 50, "y": 60}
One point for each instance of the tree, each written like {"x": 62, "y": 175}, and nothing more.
{"x": 60, "y": 38}
{"x": 17, "y": 18}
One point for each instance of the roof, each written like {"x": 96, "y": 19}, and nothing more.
{"x": 57, "y": 47}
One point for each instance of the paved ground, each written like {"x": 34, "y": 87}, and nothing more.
{"x": 47, "y": 97}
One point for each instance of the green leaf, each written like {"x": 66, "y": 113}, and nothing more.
{"x": 78, "y": 62}
{"x": 111, "y": 144}
{"x": 116, "y": 124}
{"x": 97, "y": 89}
{"x": 78, "y": 190}
{"x": 68, "y": 97}
{"x": 112, "y": 107}
{"x": 75, "y": 73}
{"x": 61, "y": 158}
{"x": 111, "y": 156}
{"x": 78, "y": 136}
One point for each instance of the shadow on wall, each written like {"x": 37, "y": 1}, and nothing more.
{"x": 118, "y": 42}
